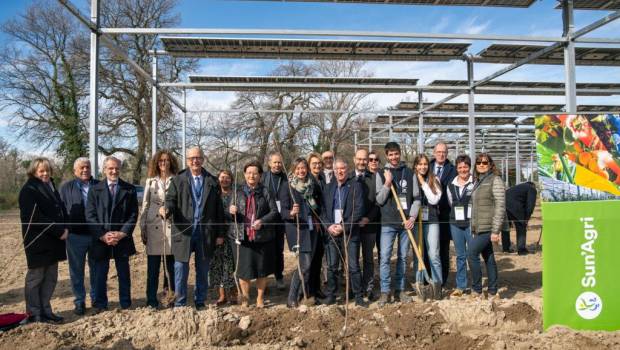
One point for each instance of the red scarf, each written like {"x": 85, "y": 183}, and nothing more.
{"x": 250, "y": 213}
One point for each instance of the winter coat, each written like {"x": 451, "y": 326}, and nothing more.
{"x": 155, "y": 230}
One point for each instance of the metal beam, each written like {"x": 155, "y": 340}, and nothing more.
{"x": 93, "y": 107}
{"x": 420, "y": 123}
{"x": 329, "y": 33}
{"x": 517, "y": 158}
{"x": 116, "y": 49}
{"x": 569, "y": 57}
{"x": 184, "y": 127}
{"x": 471, "y": 108}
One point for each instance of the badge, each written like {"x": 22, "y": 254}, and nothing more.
{"x": 403, "y": 202}
{"x": 279, "y": 207}
{"x": 459, "y": 213}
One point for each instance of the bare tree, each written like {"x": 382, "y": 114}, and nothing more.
{"x": 126, "y": 116}
{"x": 44, "y": 79}
{"x": 331, "y": 130}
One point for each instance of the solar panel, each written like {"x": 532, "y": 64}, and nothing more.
{"x": 500, "y": 3}
{"x": 594, "y": 4}
{"x": 585, "y": 56}
{"x": 452, "y": 120}
{"x": 313, "y": 49}
{"x": 529, "y": 88}
{"x": 301, "y": 83}
{"x": 499, "y": 108}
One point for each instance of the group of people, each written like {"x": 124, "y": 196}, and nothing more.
{"x": 326, "y": 210}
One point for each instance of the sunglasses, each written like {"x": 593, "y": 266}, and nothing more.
{"x": 483, "y": 162}
{"x": 373, "y": 159}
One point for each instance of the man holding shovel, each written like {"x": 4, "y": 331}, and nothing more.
{"x": 396, "y": 174}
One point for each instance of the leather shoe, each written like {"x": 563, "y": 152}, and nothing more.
{"x": 33, "y": 319}
{"x": 200, "y": 306}
{"x": 80, "y": 310}
{"x": 99, "y": 310}
{"x": 523, "y": 252}
{"x": 292, "y": 304}
{"x": 328, "y": 301}
{"x": 53, "y": 318}
{"x": 359, "y": 301}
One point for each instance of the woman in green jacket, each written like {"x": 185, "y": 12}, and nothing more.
{"x": 488, "y": 198}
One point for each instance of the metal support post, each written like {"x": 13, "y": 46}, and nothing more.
{"x": 369, "y": 137}
{"x": 471, "y": 121}
{"x": 391, "y": 132}
{"x": 355, "y": 141}
{"x": 420, "y": 123}
{"x": 154, "y": 107}
{"x": 517, "y": 159}
{"x": 184, "y": 126}
{"x": 569, "y": 57}
{"x": 93, "y": 108}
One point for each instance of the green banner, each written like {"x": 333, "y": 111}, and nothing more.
{"x": 579, "y": 172}
{"x": 581, "y": 265}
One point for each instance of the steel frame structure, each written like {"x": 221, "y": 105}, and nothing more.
{"x": 566, "y": 42}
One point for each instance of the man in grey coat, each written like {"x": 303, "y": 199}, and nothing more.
{"x": 195, "y": 206}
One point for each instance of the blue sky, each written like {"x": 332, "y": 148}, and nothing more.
{"x": 539, "y": 19}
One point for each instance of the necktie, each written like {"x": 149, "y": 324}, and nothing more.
{"x": 112, "y": 189}
{"x": 197, "y": 186}
{"x": 438, "y": 170}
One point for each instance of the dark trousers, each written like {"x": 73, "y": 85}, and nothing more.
{"x": 521, "y": 228}
{"x": 101, "y": 282}
{"x": 334, "y": 246}
{"x": 39, "y": 288}
{"x": 295, "y": 291}
{"x": 444, "y": 248}
{"x": 480, "y": 244}
{"x": 153, "y": 264}
{"x": 367, "y": 240}
{"x": 315, "y": 268}
{"x": 279, "y": 255}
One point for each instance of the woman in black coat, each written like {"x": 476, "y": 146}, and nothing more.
{"x": 254, "y": 210}
{"x": 300, "y": 210}
{"x": 44, "y": 233}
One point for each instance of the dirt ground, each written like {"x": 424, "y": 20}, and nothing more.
{"x": 512, "y": 322}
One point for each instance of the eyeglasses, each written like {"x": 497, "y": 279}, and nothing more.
{"x": 482, "y": 162}
{"x": 373, "y": 159}
{"x": 194, "y": 159}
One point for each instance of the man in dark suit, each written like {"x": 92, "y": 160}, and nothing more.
{"x": 275, "y": 181}
{"x": 368, "y": 231}
{"x": 445, "y": 172}
{"x": 111, "y": 212}
{"x": 520, "y": 203}
{"x": 194, "y": 203}
{"x": 74, "y": 195}
{"x": 343, "y": 208}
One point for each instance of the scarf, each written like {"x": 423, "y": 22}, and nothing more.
{"x": 250, "y": 213}
{"x": 306, "y": 189}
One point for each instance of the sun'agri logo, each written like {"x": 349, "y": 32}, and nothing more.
{"x": 589, "y": 304}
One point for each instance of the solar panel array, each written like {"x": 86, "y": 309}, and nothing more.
{"x": 500, "y": 3}
{"x": 584, "y": 56}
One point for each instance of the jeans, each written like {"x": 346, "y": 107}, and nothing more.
{"x": 279, "y": 255}
{"x": 388, "y": 236}
{"x": 181, "y": 273}
{"x": 39, "y": 288}
{"x": 481, "y": 244}
{"x": 101, "y": 282}
{"x": 334, "y": 246}
{"x": 153, "y": 264}
{"x": 461, "y": 238}
{"x": 78, "y": 247}
{"x": 295, "y": 291}
{"x": 368, "y": 272}
{"x": 431, "y": 239}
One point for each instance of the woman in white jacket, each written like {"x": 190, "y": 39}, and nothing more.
{"x": 430, "y": 193}
{"x": 155, "y": 231}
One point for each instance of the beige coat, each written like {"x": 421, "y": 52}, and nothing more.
{"x": 154, "y": 229}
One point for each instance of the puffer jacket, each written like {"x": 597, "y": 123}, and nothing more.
{"x": 489, "y": 204}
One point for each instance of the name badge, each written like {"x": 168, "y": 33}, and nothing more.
{"x": 424, "y": 213}
{"x": 278, "y": 204}
{"x": 469, "y": 211}
{"x": 403, "y": 201}
{"x": 337, "y": 216}
{"x": 310, "y": 223}
{"x": 459, "y": 213}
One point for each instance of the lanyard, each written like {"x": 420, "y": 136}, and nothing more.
{"x": 339, "y": 190}
{"x": 402, "y": 176}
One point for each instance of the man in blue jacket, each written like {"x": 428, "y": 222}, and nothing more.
{"x": 343, "y": 208}
{"x": 74, "y": 194}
